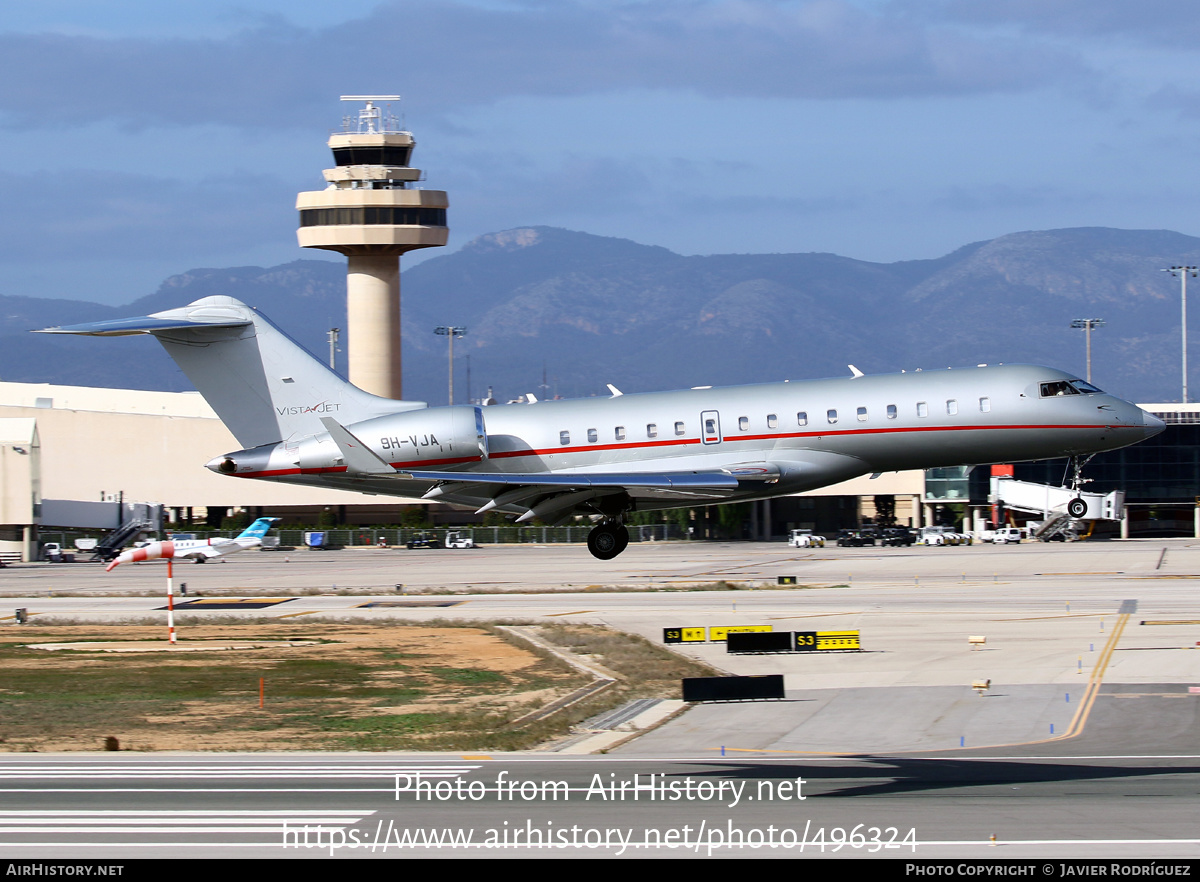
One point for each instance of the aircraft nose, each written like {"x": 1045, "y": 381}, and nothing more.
{"x": 1151, "y": 424}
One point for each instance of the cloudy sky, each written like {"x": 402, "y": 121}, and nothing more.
{"x": 142, "y": 138}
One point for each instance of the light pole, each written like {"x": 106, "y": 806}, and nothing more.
{"x": 1087, "y": 325}
{"x": 1182, "y": 272}
{"x": 451, "y": 332}
{"x": 334, "y": 333}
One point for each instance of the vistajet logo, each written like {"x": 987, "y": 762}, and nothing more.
{"x": 323, "y": 407}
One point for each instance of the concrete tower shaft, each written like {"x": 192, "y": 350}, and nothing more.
{"x": 370, "y": 212}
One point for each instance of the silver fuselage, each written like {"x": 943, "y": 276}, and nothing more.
{"x": 811, "y": 434}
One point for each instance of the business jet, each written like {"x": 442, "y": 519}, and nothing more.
{"x": 198, "y": 550}
{"x": 301, "y": 423}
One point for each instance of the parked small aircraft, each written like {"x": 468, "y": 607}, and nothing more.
{"x": 198, "y": 550}
{"x": 301, "y": 423}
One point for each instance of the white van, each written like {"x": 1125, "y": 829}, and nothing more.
{"x": 1007, "y": 535}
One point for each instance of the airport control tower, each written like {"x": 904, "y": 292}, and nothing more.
{"x": 371, "y": 213}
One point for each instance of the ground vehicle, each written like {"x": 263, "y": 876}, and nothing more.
{"x": 856, "y": 538}
{"x": 937, "y": 536}
{"x": 1007, "y": 535}
{"x": 805, "y": 539}
{"x": 458, "y": 539}
{"x": 424, "y": 540}
{"x": 897, "y": 536}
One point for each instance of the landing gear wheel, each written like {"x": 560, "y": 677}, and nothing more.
{"x": 622, "y": 538}
{"x": 1076, "y": 508}
{"x": 607, "y": 541}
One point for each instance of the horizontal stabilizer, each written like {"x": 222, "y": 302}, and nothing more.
{"x": 263, "y": 385}
{"x": 146, "y": 324}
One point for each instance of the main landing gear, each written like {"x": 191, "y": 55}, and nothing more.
{"x": 608, "y": 539}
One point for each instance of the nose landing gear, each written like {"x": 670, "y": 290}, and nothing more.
{"x": 608, "y": 539}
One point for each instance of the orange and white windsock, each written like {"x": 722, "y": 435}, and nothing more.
{"x": 153, "y": 551}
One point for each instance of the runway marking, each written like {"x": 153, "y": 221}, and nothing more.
{"x": 1096, "y": 679}
{"x": 1169, "y": 622}
{"x": 156, "y": 771}
{"x": 168, "y": 821}
{"x": 232, "y": 603}
{"x": 407, "y": 604}
{"x": 578, "y": 612}
{"x": 1112, "y": 573}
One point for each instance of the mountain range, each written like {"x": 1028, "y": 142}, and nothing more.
{"x": 581, "y": 311}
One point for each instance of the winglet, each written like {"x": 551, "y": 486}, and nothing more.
{"x": 855, "y": 371}
{"x": 616, "y": 393}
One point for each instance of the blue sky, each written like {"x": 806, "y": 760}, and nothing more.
{"x": 141, "y": 139}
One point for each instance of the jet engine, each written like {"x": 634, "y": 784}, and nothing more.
{"x": 436, "y": 436}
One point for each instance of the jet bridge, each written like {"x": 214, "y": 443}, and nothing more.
{"x": 1057, "y": 506}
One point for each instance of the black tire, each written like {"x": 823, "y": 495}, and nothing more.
{"x": 604, "y": 542}
{"x": 1076, "y": 508}
{"x": 622, "y": 538}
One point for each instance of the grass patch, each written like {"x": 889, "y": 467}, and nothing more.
{"x": 351, "y": 692}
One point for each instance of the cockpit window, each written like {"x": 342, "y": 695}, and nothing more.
{"x": 1083, "y": 386}
{"x": 1058, "y": 388}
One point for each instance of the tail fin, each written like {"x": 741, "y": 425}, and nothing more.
{"x": 258, "y": 529}
{"x": 263, "y": 385}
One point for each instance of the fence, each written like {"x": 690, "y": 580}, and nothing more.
{"x": 498, "y": 535}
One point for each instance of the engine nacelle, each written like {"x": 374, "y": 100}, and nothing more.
{"x": 416, "y": 439}
{"x": 435, "y": 436}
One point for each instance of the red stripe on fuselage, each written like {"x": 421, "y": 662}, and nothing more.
{"x": 676, "y": 442}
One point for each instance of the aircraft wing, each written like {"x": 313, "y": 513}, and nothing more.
{"x": 554, "y": 496}
{"x": 582, "y": 480}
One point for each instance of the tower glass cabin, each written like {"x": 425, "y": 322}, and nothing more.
{"x": 371, "y": 212}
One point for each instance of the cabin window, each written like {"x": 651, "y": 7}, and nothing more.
{"x": 922, "y": 409}
{"x": 951, "y": 406}
{"x": 772, "y": 421}
{"x": 891, "y": 411}
{"x": 831, "y": 415}
{"x": 802, "y": 418}
{"x": 651, "y": 430}
{"x": 710, "y": 427}
{"x": 564, "y": 437}
{"x": 679, "y": 428}
{"x": 985, "y": 405}
{"x": 743, "y": 424}
{"x": 619, "y": 433}
{"x": 593, "y": 437}
{"x": 862, "y": 414}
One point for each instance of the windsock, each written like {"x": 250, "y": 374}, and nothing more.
{"x": 153, "y": 551}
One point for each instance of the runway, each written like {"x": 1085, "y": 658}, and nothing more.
{"x": 1084, "y": 746}
{"x": 322, "y": 807}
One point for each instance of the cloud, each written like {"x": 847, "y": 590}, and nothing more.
{"x": 130, "y": 216}
{"x": 1161, "y": 22}
{"x": 447, "y": 55}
